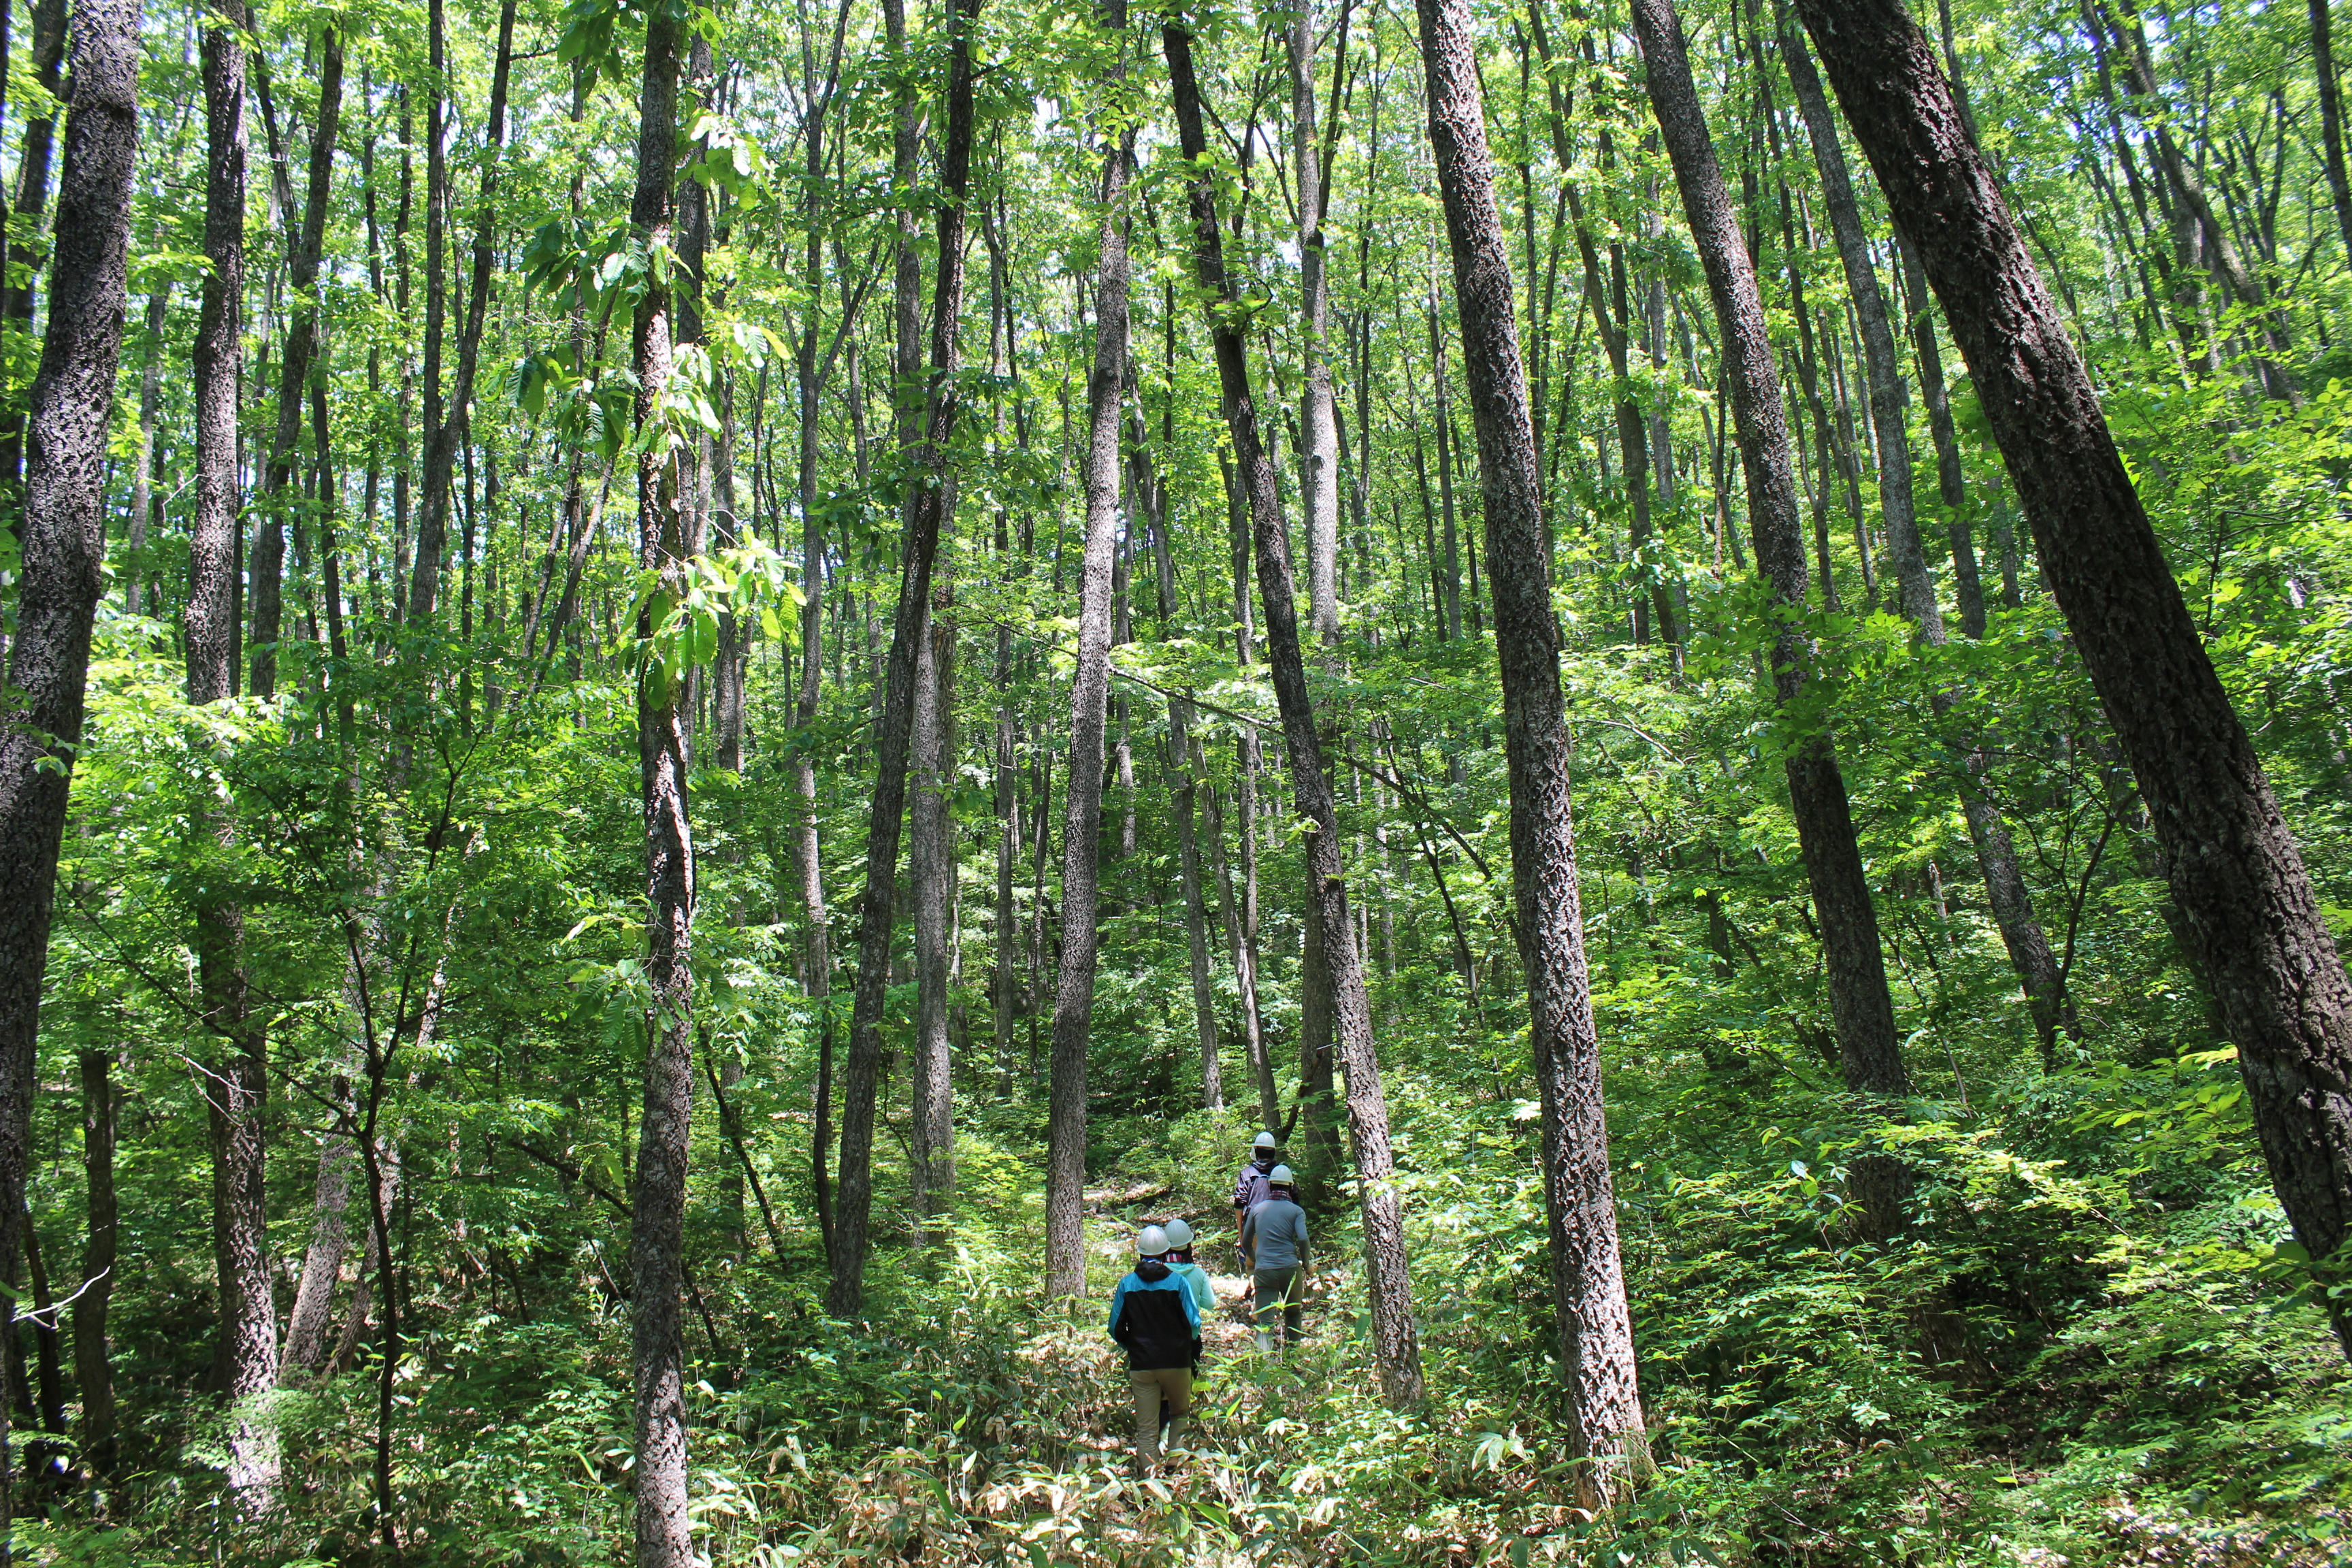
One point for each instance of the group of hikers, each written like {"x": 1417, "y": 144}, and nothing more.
{"x": 1157, "y": 1309}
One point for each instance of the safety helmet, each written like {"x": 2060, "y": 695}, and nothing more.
{"x": 1152, "y": 1243}
{"x": 1280, "y": 1176}
{"x": 1264, "y": 1140}
{"x": 1180, "y": 1234}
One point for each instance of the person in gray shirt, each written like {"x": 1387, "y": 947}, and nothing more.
{"x": 1273, "y": 1249}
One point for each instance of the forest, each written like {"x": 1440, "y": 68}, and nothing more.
{"x": 706, "y": 700}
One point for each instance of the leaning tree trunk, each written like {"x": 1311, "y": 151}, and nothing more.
{"x": 66, "y": 418}
{"x": 877, "y": 911}
{"x": 1870, "y": 1056}
{"x": 1396, "y": 1341}
{"x": 2236, "y": 871}
{"x": 2021, "y": 931}
{"x": 1595, "y": 1328}
{"x": 1074, "y": 990}
{"x": 657, "y": 1203}
{"x": 322, "y": 1260}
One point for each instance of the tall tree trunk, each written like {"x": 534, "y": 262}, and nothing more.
{"x": 1449, "y": 569}
{"x": 432, "y": 519}
{"x": 294, "y": 375}
{"x": 1074, "y": 990}
{"x": 1869, "y": 1052}
{"x": 657, "y": 1203}
{"x": 2021, "y": 931}
{"x": 63, "y": 534}
{"x": 816, "y": 947}
{"x": 1319, "y": 456}
{"x": 1595, "y": 1328}
{"x": 1244, "y": 914}
{"x": 2235, "y": 869}
{"x": 235, "y": 1085}
{"x": 1183, "y": 790}
{"x": 932, "y": 860}
{"x": 1005, "y": 989}
{"x": 1396, "y": 1342}
{"x": 93, "y": 1367}
{"x": 924, "y": 522}
{"x": 1241, "y": 947}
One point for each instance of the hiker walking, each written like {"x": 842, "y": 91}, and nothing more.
{"x": 1179, "y": 1261}
{"x": 1250, "y": 1186}
{"x": 1274, "y": 1251}
{"x": 1154, "y": 1319}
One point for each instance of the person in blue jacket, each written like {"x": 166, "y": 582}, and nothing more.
{"x": 1153, "y": 1318}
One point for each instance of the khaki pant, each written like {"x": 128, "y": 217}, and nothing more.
{"x": 1284, "y": 1291}
{"x": 1171, "y": 1384}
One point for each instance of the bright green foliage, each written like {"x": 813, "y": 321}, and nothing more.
{"x": 2095, "y": 1341}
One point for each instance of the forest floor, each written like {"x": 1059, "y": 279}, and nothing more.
{"x": 964, "y": 1423}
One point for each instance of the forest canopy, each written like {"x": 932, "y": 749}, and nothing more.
{"x": 706, "y": 703}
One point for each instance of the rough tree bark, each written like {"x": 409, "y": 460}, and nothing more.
{"x": 66, "y": 418}
{"x": 2236, "y": 871}
{"x": 1396, "y": 1341}
{"x": 1870, "y": 1056}
{"x": 657, "y": 1199}
{"x": 1595, "y": 1328}
{"x": 877, "y": 909}
{"x": 1074, "y": 990}
{"x": 233, "y": 1082}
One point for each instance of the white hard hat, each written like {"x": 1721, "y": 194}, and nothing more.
{"x": 1180, "y": 1234}
{"x": 1151, "y": 1243}
{"x": 1280, "y": 1176}
{"x": 1264, "y": 1140}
